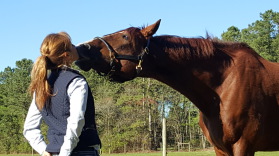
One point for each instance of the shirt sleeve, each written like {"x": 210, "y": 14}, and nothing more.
{"x": 32, "y": 131}
{"x": 78, "y": 93}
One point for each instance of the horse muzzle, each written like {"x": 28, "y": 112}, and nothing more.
{"x": 84, "y": 51}
{"x": 86, "y": 57}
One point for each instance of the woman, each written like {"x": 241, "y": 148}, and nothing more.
{"x": 62, "y": 98}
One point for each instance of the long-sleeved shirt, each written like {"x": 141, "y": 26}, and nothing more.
{"x": 77, "y": 92}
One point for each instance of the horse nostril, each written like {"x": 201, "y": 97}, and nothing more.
{"x": 87, "y": 46}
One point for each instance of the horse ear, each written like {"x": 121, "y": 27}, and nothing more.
{"x": 151, "y": 29}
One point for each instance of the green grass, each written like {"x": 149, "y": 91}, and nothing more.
{"x": 201, "y": 153}
{"x": 267, "y": 154}
{"x": 204, "y": 153}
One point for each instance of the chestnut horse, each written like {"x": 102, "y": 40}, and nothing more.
{"x": 235, "y": 89}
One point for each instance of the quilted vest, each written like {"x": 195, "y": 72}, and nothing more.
{"x": 57, "y": 110}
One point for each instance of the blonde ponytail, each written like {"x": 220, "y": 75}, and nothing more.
{"x": 39, "y": 83}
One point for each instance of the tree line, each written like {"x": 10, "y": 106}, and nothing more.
{"x": 129, "y": 115}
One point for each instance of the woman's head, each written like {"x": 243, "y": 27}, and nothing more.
{"x": 57, "y": 50}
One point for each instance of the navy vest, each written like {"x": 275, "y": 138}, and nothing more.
{"x": 57, "y": 110}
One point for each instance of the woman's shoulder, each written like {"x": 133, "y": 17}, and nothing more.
{"x": 65, "y": 75}
{"x": 70, "y": 71}
{"x": 65, "y": 68}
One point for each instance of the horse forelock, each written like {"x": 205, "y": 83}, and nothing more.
{"x": 118, "y": 32}
{"x": 130, "y": 30}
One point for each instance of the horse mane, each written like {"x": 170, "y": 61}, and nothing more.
{"x": 197, "y": 48}
{"x": 187, "y": 47}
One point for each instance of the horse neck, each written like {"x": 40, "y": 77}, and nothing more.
{"x": 192, "y": 66}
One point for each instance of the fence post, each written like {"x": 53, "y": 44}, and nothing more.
{"x": 164, "y": 137}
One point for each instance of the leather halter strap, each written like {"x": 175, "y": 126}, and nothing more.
{"x": 114, "y": 55}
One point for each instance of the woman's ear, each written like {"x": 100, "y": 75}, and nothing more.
{"x": 65, "y": 54}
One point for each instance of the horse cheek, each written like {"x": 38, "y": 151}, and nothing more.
{"x": 128, "y": 67}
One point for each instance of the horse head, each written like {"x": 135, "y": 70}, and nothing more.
{"x": 118, "y": 55}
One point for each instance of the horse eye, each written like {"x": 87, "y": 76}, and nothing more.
{"x": 125, "y": 37}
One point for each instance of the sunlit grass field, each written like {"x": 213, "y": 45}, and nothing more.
{"x": 200, "y": 153}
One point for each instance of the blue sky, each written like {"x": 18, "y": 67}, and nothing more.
{"x": 25, "y": 23}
